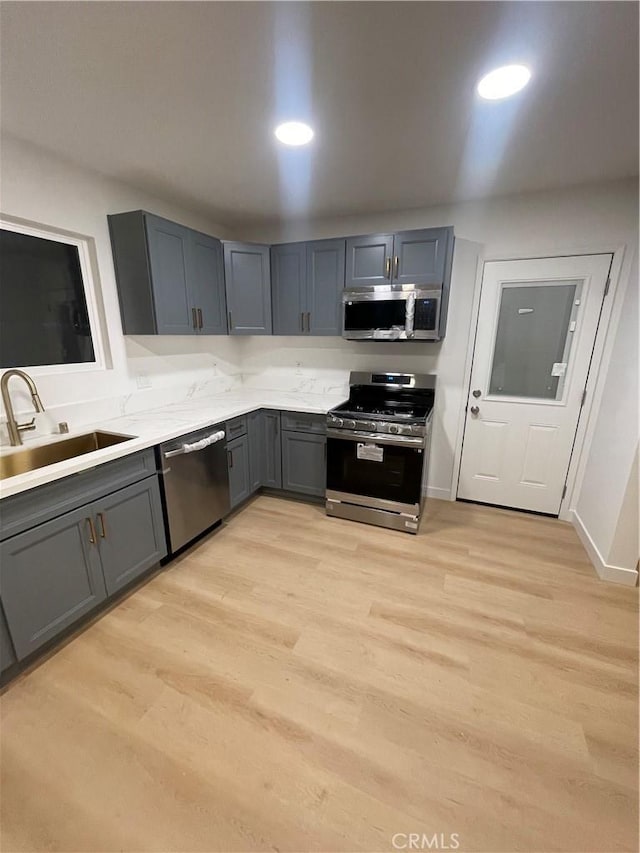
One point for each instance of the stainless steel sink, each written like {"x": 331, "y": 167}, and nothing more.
{"x": 32, "y": 458}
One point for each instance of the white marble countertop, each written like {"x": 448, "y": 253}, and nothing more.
{"x": 158, "y": 425}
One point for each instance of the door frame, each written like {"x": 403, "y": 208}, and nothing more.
{"x": 619, "y": 278}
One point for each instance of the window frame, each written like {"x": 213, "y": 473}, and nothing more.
{"x": 82, "y": 244}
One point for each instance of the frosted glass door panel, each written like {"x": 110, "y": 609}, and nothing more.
{"x": 533, "y": 339}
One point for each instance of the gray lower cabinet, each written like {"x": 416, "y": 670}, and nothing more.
{"x": 255, "y": 435}
{"x": 239, "y": 476}
{"x": 7, "y": 654}
{"x": 304, "y": 462}
{"x": 130, "y": 532}
{"x": 272, "y": 450}
{"x": 247, "y": 275}
{"x": 70, "y": 544}
{"x": 51, "y": 576}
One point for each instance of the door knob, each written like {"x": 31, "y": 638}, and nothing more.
{"x": 476, "y": 393}
{"x": 475, "y": 410}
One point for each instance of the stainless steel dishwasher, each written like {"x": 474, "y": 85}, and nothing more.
{"x": 195, "y": 483}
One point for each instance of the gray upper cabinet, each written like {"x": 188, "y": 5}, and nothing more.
{"x": 168, "y": 248}
{"x": 369, "y": 260}
{"x": 307, "y": 282}
{"x": 206, "y": 275}
{"x": 51, "y": 576}
{"x": 170, "y": 278}
{"x": 289, "y": 288}
{"x": 130, "y": 532}
{"x": 420, "y": 257}
{"x": 325, "y": 283}
{"x": 248, "y": 287}
{"x": 408, "y": 257}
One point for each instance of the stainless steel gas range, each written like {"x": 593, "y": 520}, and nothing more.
{"x": 378, "y": 449}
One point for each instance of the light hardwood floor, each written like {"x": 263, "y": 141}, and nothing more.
{"x": 299, "y": 683}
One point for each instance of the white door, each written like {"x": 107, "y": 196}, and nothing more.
{"x": 537, "y": 324}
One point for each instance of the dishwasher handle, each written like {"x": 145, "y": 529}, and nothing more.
{"x": 208, "y": 440}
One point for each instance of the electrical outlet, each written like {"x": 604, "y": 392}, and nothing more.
{"x": 143, "y": 380}
{"x": 298, "y": 367}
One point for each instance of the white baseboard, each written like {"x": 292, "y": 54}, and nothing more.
{"x": 615, "y": 574}
{"x": 439, "y": 494}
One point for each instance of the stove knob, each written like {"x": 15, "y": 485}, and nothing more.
{"x": 349, "y": 424}
{"x": 394, "y": 429}
{"x": 337, "y": 422}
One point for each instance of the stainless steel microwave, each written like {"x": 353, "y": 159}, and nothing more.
{"x": 392, "y": 312}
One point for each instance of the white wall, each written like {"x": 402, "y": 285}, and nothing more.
{"x": 45, "y": 190}
{"x": 607, "y": 506}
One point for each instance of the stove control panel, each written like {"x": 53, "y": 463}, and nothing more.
{"x": 383, "y": 427}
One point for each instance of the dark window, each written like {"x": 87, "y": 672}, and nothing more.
{"x": 43, "y": 310}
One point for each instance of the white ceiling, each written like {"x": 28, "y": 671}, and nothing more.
{"x": 180, "y": 99}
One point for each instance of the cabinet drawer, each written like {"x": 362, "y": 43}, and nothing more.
{"x": 236, "y": 427}
{"x": 304, "y": 422}
{"x": 35, "y": 506}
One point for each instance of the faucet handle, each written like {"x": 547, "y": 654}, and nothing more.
{"x": 28, "y": 426}
{"x": 63, "y": 427}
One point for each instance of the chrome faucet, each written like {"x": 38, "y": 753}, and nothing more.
{"x": 12, "y": 425}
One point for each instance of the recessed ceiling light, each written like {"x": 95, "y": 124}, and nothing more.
{"x": 503, "y": 82}
{"x": 294, "y": 133}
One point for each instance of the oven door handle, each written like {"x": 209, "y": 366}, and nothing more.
{"x": 415, "y": 442}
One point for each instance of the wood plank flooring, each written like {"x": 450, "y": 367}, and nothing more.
{"x": 298, "y": 683}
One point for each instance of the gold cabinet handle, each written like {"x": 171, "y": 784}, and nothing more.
{"x": 199, "y": 318}
{"x": 103, "y": 529}
{"x": 387, "y": 267}
{"x": 194, "y": 318}
{"x": 396, "y": 262}
{"x": 92, "y": 531}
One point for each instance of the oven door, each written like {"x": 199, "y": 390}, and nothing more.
{"x": 383, "y": 472}
{"x": 380, "y": 313}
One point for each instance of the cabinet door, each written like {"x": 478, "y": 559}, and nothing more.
{"x": 369, "y": 260}
{"x": 51, "y": 576}
{"x": 168, "y": 250}
{"x": 304, "y": 463}
{"x": 248, "y": 287}
{"x": 289, "y": 288}
{"x": 130, "y": 532}
{"x": 238, "y": 461}
{"x": 325, "y": 283}
{"x": 206, "y": 280}
{"x": 272, "y": 460}
{"x": 419, "y": 256}
{"x": 255, "y": 434}
{"x": 7, "y": 655}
